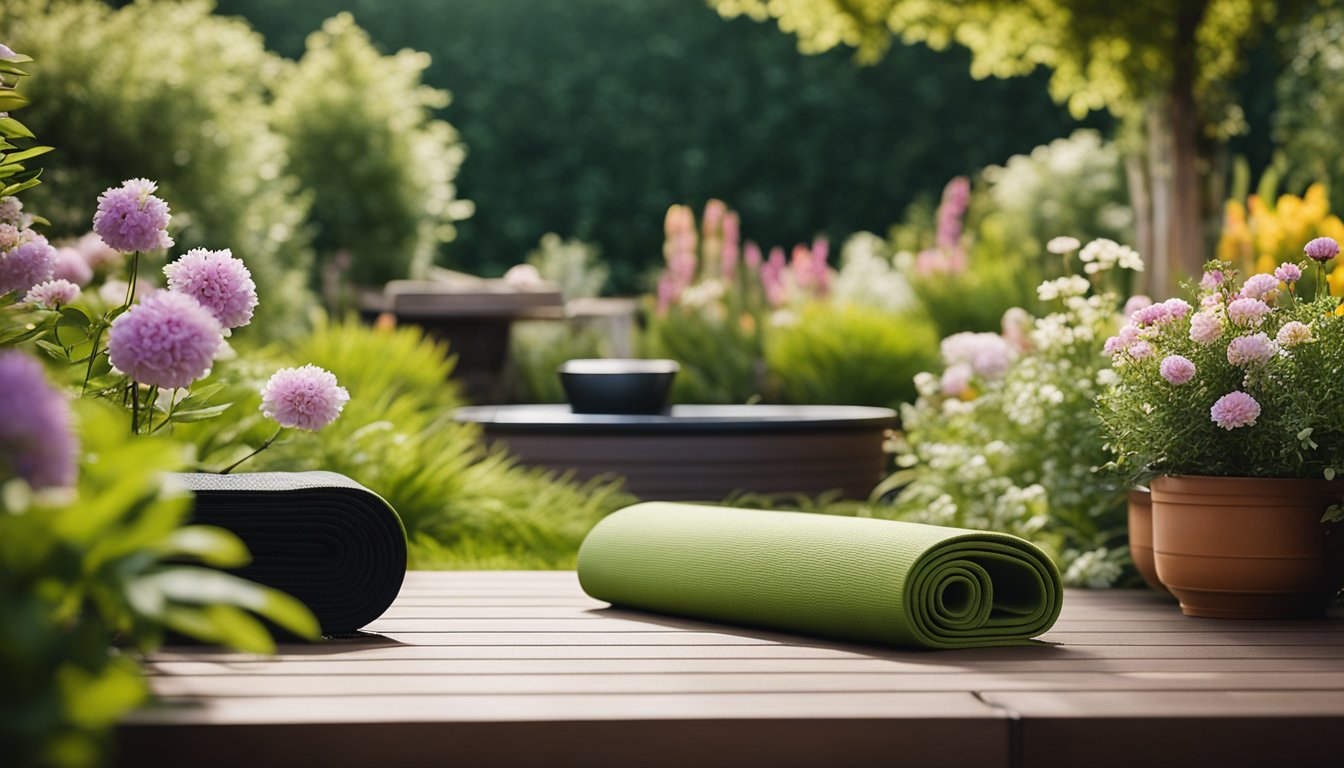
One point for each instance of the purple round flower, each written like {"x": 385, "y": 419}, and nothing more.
{"x": 1211, "y": 280}
{"x": 1246, "y": 351}
{"x": 1177, "y": 309}
{"x": 53, "y": 294}
{"x": 1205, "y": 327}
{"x": 1235, "y": 409}
{"x": 71, "y": 265}
{"x": 168, "y": 340}
{"x": 307, "y": 398}
{"x": 1322, "y": 249}
{"x": 1288, "y": 272}
{"x": 36, "y": 441}
{"x": 26, "y": 264}
{"x": 1247, "y": 312}
{"x": 1177, "y": 369}
{"x": 1259, "y": 286}
{"x": 130, "y": 218}
{"x": 219, "y": 281}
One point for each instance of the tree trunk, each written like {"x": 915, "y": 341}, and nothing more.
{"x": 1179, "y": 246}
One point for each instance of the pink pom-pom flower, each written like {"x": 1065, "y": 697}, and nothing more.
{"x": 168, "y": 340}
{"x": 220, "y": 282}
{"x": 307, "y": 398}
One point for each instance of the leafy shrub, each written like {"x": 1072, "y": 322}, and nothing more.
{"x": 852, "y": 355}
{"x": 186, "y": 104}
{"x": 362, "y": 141}
{"x": 572, "y": 264}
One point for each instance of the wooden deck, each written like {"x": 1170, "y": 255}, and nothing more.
{"x": 520, "y": 668}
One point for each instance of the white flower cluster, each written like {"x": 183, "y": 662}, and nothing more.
{"x": 1101, "y": 255}
{"x": 1007, "y": 438}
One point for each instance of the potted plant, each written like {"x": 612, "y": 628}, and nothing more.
{"x": 1230, "y": 403}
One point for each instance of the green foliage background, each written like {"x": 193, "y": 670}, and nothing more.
{"x": 589, "y": 117}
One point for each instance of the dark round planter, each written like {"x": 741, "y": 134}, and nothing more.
{"x": 701, "y": 452}
{"x": 618, "y": 386}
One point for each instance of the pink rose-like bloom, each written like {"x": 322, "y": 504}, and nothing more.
{"x": 53, "y": 294}
{"x": 168, "y": 340}
{"x": 26, "y": 264}
{"x": 1322, "y": 249}
{"x": 71, "y": 265}
{"x": 1235, "y": 409}
{"x": 1127, "y": 335}
{"x": 1176, "y": 308}
{"x": 1259, "y": 286}
{"x": 1294, "y": 333}
{"x": 36, "y": 441}
{"x": 988, "y": 354}
{"x": 1151, "y": 315}
{"x": 956, "y": 379}
{"x": 1211, "y": 301}
{"x": 130, "y": 218}
{"x": 307, "y": 398}
{"x": 1246, "y": 351}
{"x": 1205, "y": 327}
{"x": 1177, "y": 369}
{"x": 11, "y": 211}
{"x": 1211, "y": 280}
{"x": 1288, "y": 273}
{"x": 220, "y": 282}
{"x": 1135, "y": 303}
{"x": 1247, "y": 312}
{"x": 1141, "y": 350}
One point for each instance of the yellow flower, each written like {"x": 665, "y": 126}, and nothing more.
{"x": 1336, "y": 281}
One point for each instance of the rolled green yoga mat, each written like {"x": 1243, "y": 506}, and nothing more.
{"x": 847, "y": 578}
{"x": 323, "y": 538}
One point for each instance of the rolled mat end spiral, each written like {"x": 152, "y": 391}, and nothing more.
{"x": 319, "y": 536}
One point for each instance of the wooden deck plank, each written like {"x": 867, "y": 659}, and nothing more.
{"x": 519, "y": 668}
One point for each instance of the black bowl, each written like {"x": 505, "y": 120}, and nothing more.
{"x": 618, "y": 386}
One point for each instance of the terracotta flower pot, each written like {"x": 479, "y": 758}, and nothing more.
{"x": 1141, "y": 538}
{"x": 1248, "y": 548}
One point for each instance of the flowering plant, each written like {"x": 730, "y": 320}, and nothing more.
{"x": 1007, "y": 439}
{"x": 1242, "y": 380}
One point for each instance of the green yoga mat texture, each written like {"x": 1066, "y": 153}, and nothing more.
{"x": 859, "y": 579}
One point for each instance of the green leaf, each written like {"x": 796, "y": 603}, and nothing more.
{"x": 18, "y": 58}
{"x": 100, "y": 698}
{"x": 56, "y": 351}
{"x": 27, "y": 154}
{"x": 200, "y": 414}
{"x": 188, "y": 584}
{"x": 11, "y": 100}
{"x": 14, "y": 189}
{"x": 212, "y": 546}
{"x": 13, "y": 129}
{"x": 221, "y": 624}
{"x": 11, "y": 68}
{"x": 74, "y": 317}
{"x": 41, "y": 220}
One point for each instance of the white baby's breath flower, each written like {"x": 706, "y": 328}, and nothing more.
{"x": 1063, "y": 245}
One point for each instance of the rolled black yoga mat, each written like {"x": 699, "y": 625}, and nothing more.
{"x": 323, "y": 538}
{"x": 875, "y": 581}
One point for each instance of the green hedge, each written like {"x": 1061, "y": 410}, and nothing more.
{"x": 589, "y": 117}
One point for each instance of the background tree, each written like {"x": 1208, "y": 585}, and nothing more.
{"x": 1163, "y": 67}
{"x": 588, "y": 118}
{"x": 362, "y": 138}
{"x": 168, "y": 92}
